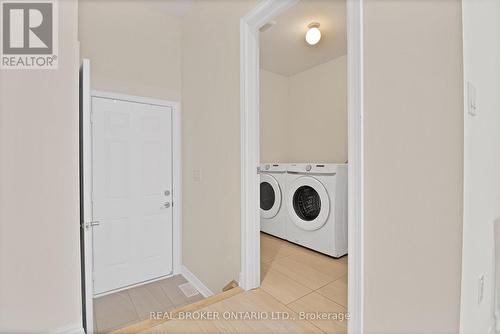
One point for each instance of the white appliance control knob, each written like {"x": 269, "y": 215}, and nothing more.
{"x": 267, "y": 167}
{"x": 308, "y": 168}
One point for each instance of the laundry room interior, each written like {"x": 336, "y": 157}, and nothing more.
{"x": 303, "y": 154}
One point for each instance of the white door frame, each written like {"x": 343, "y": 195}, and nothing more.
{"x": 87, "y": 196}
{"x": 250, "y": 155}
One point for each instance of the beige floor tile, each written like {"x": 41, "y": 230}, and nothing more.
{"x": 282, "y": 287}
{"x": 114, "y": 311}
{"x": 190, "y": 300}
{"x": 336, "y": 291}
{"x": 171, "y": 288}
{"x": 315, "y": 304}
{"x": 261, "y": 301}
{"x": 272, "y": 248}
{"x": 127, "y": 307}
{"x": 302, "y": 273}
{"x": 334, "y": 268}
{"x": 251, "y": 301}
{"x": 269, "y": 247}
{"x": 264, "y": 269}
{"x": 184, "y": 327}
{"x": 150, "y": 298}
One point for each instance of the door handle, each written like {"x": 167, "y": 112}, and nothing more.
{"x": 88, "y": 225}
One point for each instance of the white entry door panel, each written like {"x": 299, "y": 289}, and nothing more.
{"x": 132, "y": 192}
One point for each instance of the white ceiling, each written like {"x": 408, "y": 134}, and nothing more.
{"x": 283, "y": 48}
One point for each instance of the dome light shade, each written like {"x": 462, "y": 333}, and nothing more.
{"x": 313, "y": 34}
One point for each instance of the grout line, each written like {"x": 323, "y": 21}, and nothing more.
{"x": 335, "y": 302}
{"x": 314, "y": 325}
{"x": 335, "y": 280}
{"x": 112, "y": 329}
{"x": 133, "y": 304}
{"x": 166, "y": 294}
{"x": 307, "y": 294}
{"x": 290, "y": 309}
{"x": 312, "y": 290}
{"x": 345, "y": 307}
{"x": 293, "y": 279}
{"x": 172, "y": 304}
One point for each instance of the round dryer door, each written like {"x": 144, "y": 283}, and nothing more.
{"x": 270, "y": 196}
{"x": 308, "y": 203}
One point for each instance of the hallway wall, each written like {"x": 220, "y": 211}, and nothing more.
{"x": 211, "y": 139}
{"x": 39, "y": 192}
{"x": 413, "y": 123}
{"x": 142, "y": 58}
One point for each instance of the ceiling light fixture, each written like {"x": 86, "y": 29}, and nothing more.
{"x": 313, "y": 34}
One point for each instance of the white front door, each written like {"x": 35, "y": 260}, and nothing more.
{"x": 132, "y": 192}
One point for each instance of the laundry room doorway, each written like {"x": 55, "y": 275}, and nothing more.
{"x": 302, "y": 155}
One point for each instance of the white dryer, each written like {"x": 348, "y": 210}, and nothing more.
{"x": 272, "y": 192}
{"x": 316, "y": 202}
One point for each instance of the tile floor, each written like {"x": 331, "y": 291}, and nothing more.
{"x": 294, "y": 280}
{"x": 126, "y": 307}
{"x": 304, "y": 280}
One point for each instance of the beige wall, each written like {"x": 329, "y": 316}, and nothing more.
{"x": 39, "y": 219}
{"x": 211, "y": 140}
{"x": 133, "y": 47}
{"x": 303, "y": 117}
{"x": 413, "y": 165}
{"x": 318, "y": 119}
{"x": 274, "y": 117}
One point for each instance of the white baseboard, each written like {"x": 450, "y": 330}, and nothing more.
{"x": 191, "y": 278}
{"x": 72, "y": 329}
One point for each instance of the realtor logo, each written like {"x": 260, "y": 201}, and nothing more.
{"x": 29, "y": 35}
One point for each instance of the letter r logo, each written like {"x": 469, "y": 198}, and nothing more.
{"x": 27, "y": 28}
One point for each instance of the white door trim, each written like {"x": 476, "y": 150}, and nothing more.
{"x": 249, "y": 76}
{"x": 250, "y": 160}
{"x": 87, "y": 165}
{"x": 355, "y": 114}
{"x": 86, "y": 196}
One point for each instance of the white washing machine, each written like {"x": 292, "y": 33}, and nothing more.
{"x": 316, "y": 203}
{"x": 272, "y": 197}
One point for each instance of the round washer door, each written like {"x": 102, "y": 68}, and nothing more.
{"x": 270, "y": 196}
{"x": 308, "y": 203}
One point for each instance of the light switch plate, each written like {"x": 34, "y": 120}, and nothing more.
{"x": 471, "y": 99}
{"x": 196, "y": 175}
